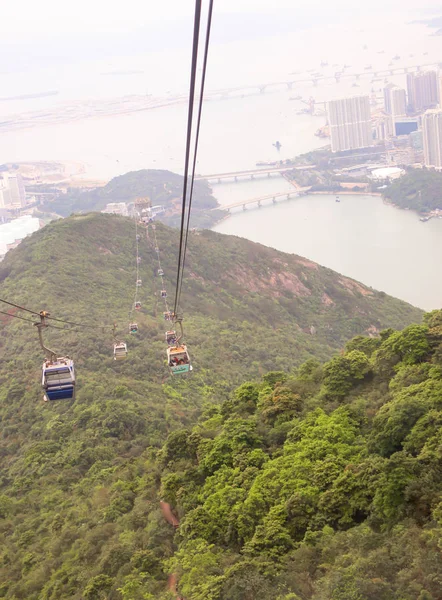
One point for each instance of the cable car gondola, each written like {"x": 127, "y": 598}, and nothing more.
{"x": 157, "y": 250}
{"x": 178, "y": 359}
{"x": 133, "y": 327}
{"x": 58, "y": 379}
{"x": 138, "y": 282}
{"x": 138, "y": 260}
{"x": 138, "y": 236}
{"x": 120, "y": 351}
{"x": 168, "y": 315}
{"x": 163, "y": 294}
{"x": 160, "y": 272}
{"x": 137, "y": 305}
{"x": 171, "y": 338}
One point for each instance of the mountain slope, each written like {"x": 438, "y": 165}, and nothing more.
{"x": 79, "y": 481}
{"x": 160, "y": 186}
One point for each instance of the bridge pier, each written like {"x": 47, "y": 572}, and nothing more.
{"x": 268, "y": 175}
{"x": 357, "y": 76}
{"x": 259, "y": 203}
{"x": 418, "y": 67}
{"x": 219, "y": 179}
{"x": 244, "y": 207}
{"x": 236, "y": 178}
{"x": 262, "y": 89}
{"x": 274, "y": 200}
{"x": 406, "y": 70}
{"x": 252, "y": 176}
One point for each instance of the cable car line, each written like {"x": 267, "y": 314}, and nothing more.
{"x": 33, "y": 312}
{"x": 16, "y": 316}
{"x": 37, "y": 314}
{"x": 194, "y": 64}
{"x": 197, "y": 135}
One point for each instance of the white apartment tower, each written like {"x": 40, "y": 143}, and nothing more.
{"x": 432, "y": 138}
{"x": 350, "y": 123}
{"x": 12, "y": 191}
{"x": 395, "y": 102}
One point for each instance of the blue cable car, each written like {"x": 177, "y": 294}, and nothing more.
{"x": 58, "y": 379}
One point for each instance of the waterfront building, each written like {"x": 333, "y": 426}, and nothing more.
{"x": 350, "y": 123}
{"x": 423, "y": 90}
{"x": 432, "y": 138}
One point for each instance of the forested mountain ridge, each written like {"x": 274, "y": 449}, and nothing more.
{"x": 80, "y": 482}
{"x": 160, "y": 186}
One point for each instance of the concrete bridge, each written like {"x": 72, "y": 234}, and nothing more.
{"x": 251, "y": 173}
{"x": 261, "y": 199}
{"x": 312, "y": 79}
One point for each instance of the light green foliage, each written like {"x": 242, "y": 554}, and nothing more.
{"x": 264, "y": 479}
{"x": 343, "y": 371}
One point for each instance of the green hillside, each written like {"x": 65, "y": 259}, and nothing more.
{"x": 325, "y": 486}
{"x": 162, "y": 187}
{"x": 80, "y": 482}
{"x": 418, "y": 189}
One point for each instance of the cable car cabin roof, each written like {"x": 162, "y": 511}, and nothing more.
{"x": 177, "y": 352}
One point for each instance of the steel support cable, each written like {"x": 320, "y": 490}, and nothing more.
{"x": 16, "y": 316}
{"x": 32, "y": 312}
{"x": 197, "y": 135}
{"x": 196, "y": 30}
{"x": 159, "y": 267}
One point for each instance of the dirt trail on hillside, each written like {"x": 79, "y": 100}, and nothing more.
{"x": 174, "y": 521}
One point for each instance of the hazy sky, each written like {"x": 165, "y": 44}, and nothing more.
{"x": 38, "y": 18}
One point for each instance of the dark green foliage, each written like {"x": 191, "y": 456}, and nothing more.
{"x": 344, "y": 506}
{"x": 266, "y": 473}
{"x": 419, "y": 189}
{"x": 161, "y": 187}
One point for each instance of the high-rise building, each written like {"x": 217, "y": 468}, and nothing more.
{"x": 12, "y": 190}
{"x": 17, "y": 190}
{"x": 423, "y": 90}
{"x": 432, "y": 138}
{"x": 395, "y": 103}
{"x": 350, "y": 123}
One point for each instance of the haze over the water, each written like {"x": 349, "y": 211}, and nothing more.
{"x": 106, "y": 50}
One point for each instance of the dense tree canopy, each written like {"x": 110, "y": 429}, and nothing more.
{"x": 291, "y": 478}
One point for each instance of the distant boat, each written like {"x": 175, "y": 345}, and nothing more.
{"x": 324, "y": 63}
{"x": 266, "y": 163}
{"x": 424, "y": 219}
{"x": 368, "y": 67}
{"x": 337, "y": 199}
{"x": 295, "y": 98}
{"x": 397, "y": 57}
